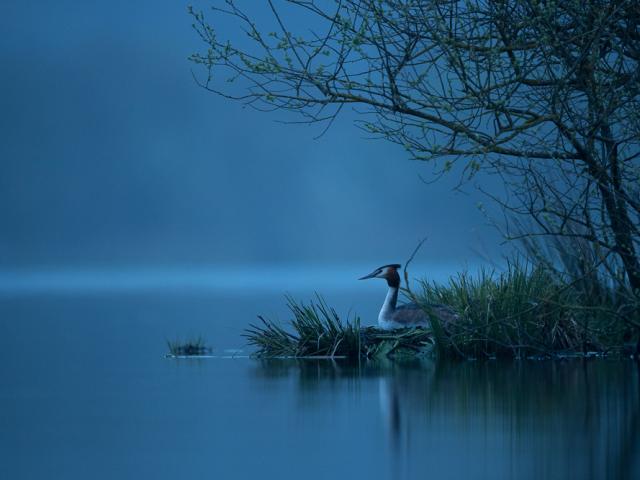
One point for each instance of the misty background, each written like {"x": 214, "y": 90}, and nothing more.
{"x": 112, "y": 156}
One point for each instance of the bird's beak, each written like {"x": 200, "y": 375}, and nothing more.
{"x": 371, "y": 275}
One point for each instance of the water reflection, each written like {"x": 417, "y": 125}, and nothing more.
{"x": 572, "y": 419}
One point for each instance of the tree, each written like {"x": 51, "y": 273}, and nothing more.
{"x": 544, "y": 93}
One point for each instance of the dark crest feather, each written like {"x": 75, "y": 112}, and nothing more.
{"x": 394, "y": 265}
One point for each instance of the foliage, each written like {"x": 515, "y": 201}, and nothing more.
{"x": 521, "y": 312}
{"x": 319, "y": 331}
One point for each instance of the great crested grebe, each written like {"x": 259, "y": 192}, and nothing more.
{"x": 394, "y": 316}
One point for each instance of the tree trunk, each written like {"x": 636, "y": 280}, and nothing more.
{"x": 621, "y": 228}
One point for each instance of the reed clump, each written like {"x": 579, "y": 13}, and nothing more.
{"x": 525, "y": 311}
{"x": 315, "y": 330}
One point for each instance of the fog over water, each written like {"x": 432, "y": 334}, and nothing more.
{"x": 112, "y": 156}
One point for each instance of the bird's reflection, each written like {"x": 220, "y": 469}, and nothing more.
{"x": 390, "y": 409}
{"x": 572, "y": 419}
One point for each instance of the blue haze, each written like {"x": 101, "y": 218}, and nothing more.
{"x": 111, "y": 155}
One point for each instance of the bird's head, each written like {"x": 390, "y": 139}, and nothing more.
{"x": 388, "y": 272}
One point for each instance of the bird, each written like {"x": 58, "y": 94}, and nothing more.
{"x": 393, "y": 316}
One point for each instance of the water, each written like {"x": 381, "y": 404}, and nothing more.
{"x": 86, "y": 392}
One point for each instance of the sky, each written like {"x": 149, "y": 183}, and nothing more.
{"x": 112, "y": 156}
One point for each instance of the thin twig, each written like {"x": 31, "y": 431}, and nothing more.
{"x": 406, "y": 266}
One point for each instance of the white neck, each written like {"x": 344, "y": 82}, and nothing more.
{"x": 389, "y": 305}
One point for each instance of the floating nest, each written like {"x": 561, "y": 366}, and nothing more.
{"x": 376, "y": 343}
{"x": 317, "y": 331}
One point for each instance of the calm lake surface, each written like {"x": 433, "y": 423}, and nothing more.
{"x": 86, "y": 392}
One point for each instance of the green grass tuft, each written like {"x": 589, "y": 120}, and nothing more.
{"x": 525, "y": 311}
{"x": 317, "y": 331}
